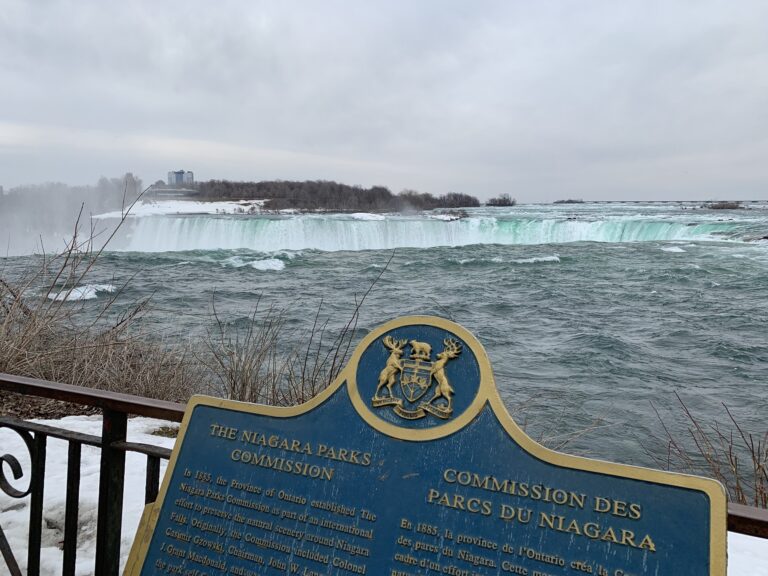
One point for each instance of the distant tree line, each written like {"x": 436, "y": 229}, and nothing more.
{"x": 503, "y": 200}
{"x": 328, "y": 195}
{"x": 722, "y": 205}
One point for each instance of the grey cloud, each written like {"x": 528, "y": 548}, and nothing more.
{"x": 538, "y": 99}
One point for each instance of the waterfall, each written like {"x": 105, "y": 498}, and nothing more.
{"x": 340, "y": 232}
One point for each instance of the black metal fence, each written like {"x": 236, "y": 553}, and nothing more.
{"x": 114, "y": 445}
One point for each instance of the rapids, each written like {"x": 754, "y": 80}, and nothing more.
{"x": 591, "y": 314}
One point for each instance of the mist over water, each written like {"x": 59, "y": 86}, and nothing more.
{"x": 587, "y": 312}
{"x": 42, "y": 218}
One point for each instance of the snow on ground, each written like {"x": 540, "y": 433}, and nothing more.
{"x": 14, "y": 514}
{"x": 367, "y": 216}
{"x": 747, "y": 556}
{"x": 165, "y": 207}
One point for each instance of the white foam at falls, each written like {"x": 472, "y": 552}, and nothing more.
{"x": 265, "y": 264}
{"x": 445, "y": 217}
{"x": 87, "y": 292}
{"x": 672, "y": 249}
{"x": 333, "y": 232}
{"x": 537, "y": 259}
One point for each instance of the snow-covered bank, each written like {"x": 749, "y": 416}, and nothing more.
{"x": 171, "y": 207}
{"x": 747, "y": 556}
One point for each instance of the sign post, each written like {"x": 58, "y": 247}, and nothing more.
{"x": 407, "y": 465}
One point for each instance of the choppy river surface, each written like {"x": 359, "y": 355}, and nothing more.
{"x": 589, "y": 312}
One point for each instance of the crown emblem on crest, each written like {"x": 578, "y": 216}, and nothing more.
{"x": 416, "y": 375}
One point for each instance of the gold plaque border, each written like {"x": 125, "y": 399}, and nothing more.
{"x": 487, "y": 393}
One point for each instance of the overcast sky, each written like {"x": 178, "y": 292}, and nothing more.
{"x": 539, "y": 99}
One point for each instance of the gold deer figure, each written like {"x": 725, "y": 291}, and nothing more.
{"x": 388, "y": 375}
{"x": 443, "y": 388}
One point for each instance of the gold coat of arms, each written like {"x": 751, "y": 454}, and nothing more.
{"x": 416, "y": 375}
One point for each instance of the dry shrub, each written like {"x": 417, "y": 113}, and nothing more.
{"x": 46, "y": 332}
{"x": 257, "y": 363}
{"x": 246, "y": 361}
{"x": 727, "y": 453}
{"x": 43, "y": 333}
{"x": 552, "y": 435}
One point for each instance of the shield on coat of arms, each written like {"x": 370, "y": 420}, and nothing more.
{"x": 416, "y": 376}
{"x": 415, "y": 379}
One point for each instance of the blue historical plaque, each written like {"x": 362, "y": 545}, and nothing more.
{"x": 410, "y": 465}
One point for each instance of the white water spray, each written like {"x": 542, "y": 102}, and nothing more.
{"x": 334, "y": 232}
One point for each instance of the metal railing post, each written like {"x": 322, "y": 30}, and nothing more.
{"x": 37, "y": 485}
{"x": 111, "y": 483}
{"x": 72, "y": 508}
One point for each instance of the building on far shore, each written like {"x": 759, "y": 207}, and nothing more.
{"x": 180, "y": 178}
{"x": 181, "y": 184}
